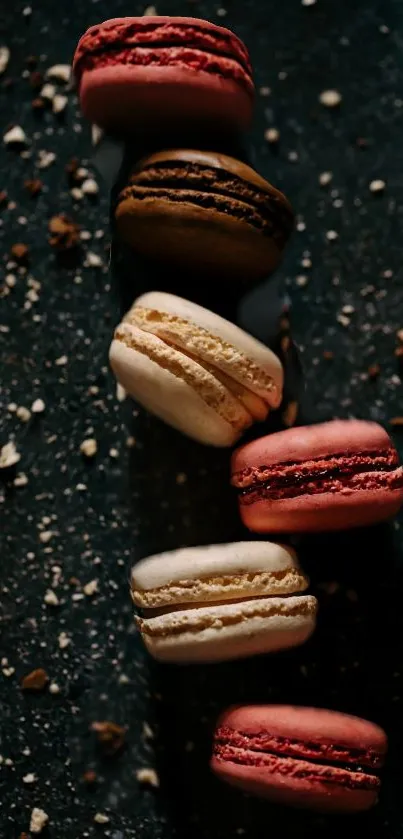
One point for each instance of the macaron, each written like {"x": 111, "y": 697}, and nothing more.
{"x": 205, "y": 212}
{"x": 193, "y": 369}
{"x": 222, "y": 602}
{"x": 304, "y": 757}
{"x": 147, "y": 72}
{"x": 330, "y": 476}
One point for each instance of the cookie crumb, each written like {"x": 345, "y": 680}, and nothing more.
{"x": 91, "y": 588}
{"x": 89, "y": 777}
{"x": 9, "y": 455}
{"x": 23, "y": 413}
{"x": 89, "y": 447}
{"x": 38, "y": 406}
{"x": 15, "y": 136}
{"x": 150, "y": 11}
{"x": 331, "y": 235}
{"x": 330, "y": 98}
{"x": 377, "y": 186}
{"x": 325, "y": 178}
{"x": 4, "y": 59}
{"x": 36, "y": 680}
{"x": 111, "y": 736}
{"x": 373, "y": 371}
{"x": 54, "y": 688}
{"x": 51, "y": 598}
{"x": 148, "y": 777}
{"x": 39, "y": 820}
{"x": 101, "y": 818}
{"x": 63, "y": 640}
{"x": 30, "y": 778}
{"x": 272, "y": 135}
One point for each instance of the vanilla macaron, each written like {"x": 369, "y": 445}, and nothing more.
{"x": 222, "y": 602}
{"x": 195, "y": 370}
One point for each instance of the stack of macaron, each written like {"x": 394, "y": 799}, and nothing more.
{"x": 206, "y": 212}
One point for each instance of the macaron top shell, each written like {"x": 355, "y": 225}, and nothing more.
{"x": 215, "y": 564}
{"x": 342, "y": 437}
{"x": 236, "y": 353}
{"x": 215, "y": 49}
{"x": 322, "y": 733}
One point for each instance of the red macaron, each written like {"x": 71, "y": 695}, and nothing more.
{"x": 304, "y": 757}
{"x": 331, "y": 476}
{"x": 136, "y": 73}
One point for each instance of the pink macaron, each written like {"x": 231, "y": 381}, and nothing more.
{"x": 137, "y": 73}
{"x": 304, "y": 757}
{"x": 331, "y": 476}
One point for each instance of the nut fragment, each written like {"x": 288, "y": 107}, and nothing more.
{"x": 64, "y": 233}
{"x": 36, "y": 680}
{"x": 9, "y": 455}
{"x": 15, "y": 137}
{"x": 373, "y": 371}
{"x": 39, "y": 820}
{"x": 33, "y": 186}
{"x": 20, "y": 252}
{"x": 148, "y": 776}
{"x": 396, "y": 422}
{"x": 111, "y": 736}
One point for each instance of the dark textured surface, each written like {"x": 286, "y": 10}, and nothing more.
{"x": 127, "y": 502}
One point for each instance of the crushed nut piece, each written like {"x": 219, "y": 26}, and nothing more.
{"x": 33, "y": 186}
{"x": 111, "y": 737}
{"x": 36, "y": 680}
{"x": 29, "y": 778}
{"x": 91, "y": 588}
{"x": 19, "y": 252}
{"x": 15, "y": 137}
{"x": 396, "y": 422}
{"x": 38, "y": 406}
{"x": 373, "y": 371}
{"x": 39, "y": 820}
{"x": 89, "y": 777}
{"x": 9, "y": 455}
{"x": 51, "y": 598}
{"x": 64, "y": 233}
{"x": 89, "y": 447}
{"x": 23, "y": 413}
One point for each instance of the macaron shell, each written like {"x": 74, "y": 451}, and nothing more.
{"x": 306, "y": 443}
{"x": 322, "y": 512}
{"x": 236, "y": 630}
{"x": 301, "y": 793}
{"x": 190, "y": 234}
{"x": 170, "y": 397}
{"x": 249, "y": 349}
{"x": 130, "y": 99}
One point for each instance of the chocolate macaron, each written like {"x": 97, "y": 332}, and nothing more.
{"x": 205, "y": 212}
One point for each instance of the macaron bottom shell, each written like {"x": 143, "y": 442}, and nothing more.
{"x": 230, "y": 631}
{"x": 198, "y": 237}
{"x": 138, "y": 99}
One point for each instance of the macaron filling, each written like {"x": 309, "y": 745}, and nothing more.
{"x": 369, "y": 470}
{"x": 325, "y": 763}
{"x": 164, "y": 43}
{"x": 215, "y": 189}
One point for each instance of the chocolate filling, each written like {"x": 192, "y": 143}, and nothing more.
{"x": 215, "y": 189}
{"x": 334, "y": 473}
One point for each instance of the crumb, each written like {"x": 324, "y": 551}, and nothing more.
{"x": 330, "y": 98}
{"x": 290, "y": 414}
{"x": 92, "y": 260}
{"x": 59, "y": 103}
{"x": 54, "y": 688}
{"x": 30, "y": 778}
{"x": 308, "y": 2}
{"x": 15, "y": 137}
{"x": 9, "y": 455}
{"x": 272, "y": 135}
{"x": 23, "y": 414}
{"x": 89, "y": 777}
{"x": 45, "y": 536}
{"x": 331, "y": 235}
{"x": 325, "y": 178}
{"x": 45, "y": 158}
{"x": 89, "y": 447}
{"x": 59, "y": 73}
{"x": 96, "y": 134}
{"x": 120, "y": 393}
{"x": 377, "y": 186}
{"x": 150, "y": 11}
{"x": 38, "y": 820}
{"x": 328, "y": 355}
{"x": 373, "y": 371}
{"x": 123, "y": 679}
{"x": 64, "y": 233}
{"x": 48, "y": 92}
{"x": 113, "y": 453}
{"x": 147, "y": 731}
{"x": 36, "y": 680}
{"x": 396, "y": 422}
{"x": 111, "y": 737}
{"x": 148, "y": 777}
{"x": 38, "y": 406}
{"x": 130, "y": 442}
{"x": 181, "y": 478}
{"x": 20, "y": 253}
{"x": 301, "y": 280}
{"x": 265, "y": 91}
{"x": 33, "y": 186}
{"x": 51, "y": 598}
{"x": 4, "y": 59}
{"x": 90, "y": 187}
{"x": 21, "y": 480}
{"x": 63, "y": 640}
{"x": 61, "y": 361}
{"x": 91, "y": 588}
{"x": 100, "y": 818}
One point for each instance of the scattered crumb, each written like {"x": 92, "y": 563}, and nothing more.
{"x": 15, "y": 136}
{"x": 54, "y": 688}
{"x": 331, "y": 235}
{"x": 30, "y": 778}
{"x": 113, "y": 453}
{"x": 96, "y": 134}
{"x": 265, "y": 91}
{"x": 396, "y": 422}
{"x": 92, "y": 260}
{"x": 38, "y": 406}
{"x": 150, "y": 11}
{"x": 120, "y": 393}
{"x": 4, "y": 59}
{"x": 181, "y": 478}
{"x": 111, "y": 737}
{"x": 51, "y": 598}
{"x": 9, "y": 455}
{"x": 59, "y": 103}
{"x": 23, "y": 414}
{"x": 90, "y": 187}
{"x": 48, "y": 92}
{"x": 59, "y": 73}
{"x": 148, "y": 777}
{"x": 325, "y": 178}
{"x": 272, "y": 135}
{"x": 39, "y": 820}
{"x": 330, "y": 98}
{"x": 21, "y": 480}
{"x": 61, "y": 361}
{"x": 20, "y": 252}
{"x": 64, "y": 233}
{"x": 89, "y": 447}
{"x": 89, "y": 777}
{"x": 374, "y": 371}
{"x": 45, "y": 536}
{"x": 63, "y": 640}
{"x": 290, "y": 414}
{"x": 301, "y": 280}
{"x": 377, "y": 186}
{"x": 147, "y": 731}
{"x": 36, "y": 680}
{"x": 45, "y": 158}
{"x": 100, "y": 818}
{"x": 91, "y": 588}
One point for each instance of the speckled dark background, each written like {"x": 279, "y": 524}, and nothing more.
{"x": 128, "y": 501}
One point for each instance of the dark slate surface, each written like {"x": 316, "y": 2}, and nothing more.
{"x": 165, "y": 491}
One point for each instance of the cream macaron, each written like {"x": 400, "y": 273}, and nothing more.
{"x": 222, "y": 602}
{"x": 195, "y": 370}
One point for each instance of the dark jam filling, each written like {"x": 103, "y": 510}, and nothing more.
{"x": 351, "y": 472}
{"x": 213, "y": 189}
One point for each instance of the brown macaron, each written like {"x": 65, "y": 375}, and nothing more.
{"x": 204, "y": 211}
